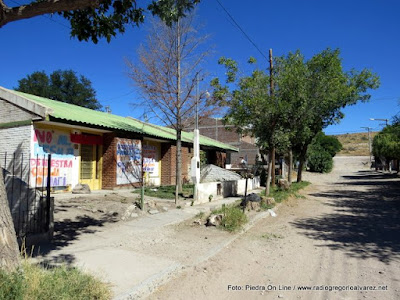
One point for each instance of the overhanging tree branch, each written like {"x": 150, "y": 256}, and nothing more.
{"x": 11, "y": 14}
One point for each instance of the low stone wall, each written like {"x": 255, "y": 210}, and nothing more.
{"x": 210, "y": 191}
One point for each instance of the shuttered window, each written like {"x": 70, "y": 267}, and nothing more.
{"x": 86, "y": 161}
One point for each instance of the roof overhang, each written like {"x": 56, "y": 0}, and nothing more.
{"x": 24, "y": 103}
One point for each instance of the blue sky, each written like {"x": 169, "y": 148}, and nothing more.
{"x": 366, "y": 31}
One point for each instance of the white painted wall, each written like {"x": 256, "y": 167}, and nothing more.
{"x": 220, "y": 190}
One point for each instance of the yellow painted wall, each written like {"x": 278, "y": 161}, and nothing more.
{"x": 153, "y": 178}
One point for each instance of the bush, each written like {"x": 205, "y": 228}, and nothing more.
{"x": 329, "y": 143}
{"x": 233, "y": 217}
{"x": 320, "y": 160}
{"x": 321, "y": 151}
{"x": 11, "y": 285}
{"x": 280, "y": 195}
{"x": 34, "y": 282}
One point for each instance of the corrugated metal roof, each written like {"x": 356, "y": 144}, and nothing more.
{"x": 70, "y": 112}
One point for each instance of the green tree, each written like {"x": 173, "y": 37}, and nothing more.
{"x": 386, "y": 144}
{"x": 92, "y": 19}
{"x": 329, "y": 143}
{"x": 321, "y": 151}
{"x": 308, "y": 96}
{"x": 315, "y": 92}
{"x": 252, "y": 108}
{"x": 64, "y": 86}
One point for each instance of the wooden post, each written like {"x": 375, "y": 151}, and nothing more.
{"x": 271, "y": 90}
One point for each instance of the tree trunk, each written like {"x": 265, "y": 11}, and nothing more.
{"x": 268, "y": 183}
{"x": 9, "y": 251}
{"x": 302, "y": 159}
{"x": 273, "y": 167}
{"x": 290, "y": 170}
{"x": 178, "y": 183}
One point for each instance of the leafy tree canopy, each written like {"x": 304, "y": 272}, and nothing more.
{"x": 308, "y": 95}
{"x": 329, "y": 143}
{"x": 386, "y": 144}
{"x": 321, "y": 151}
{"x": 94, "y": 19}
{"x": 64, "y": 86}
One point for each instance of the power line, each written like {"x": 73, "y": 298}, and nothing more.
{"x": 241, "y": 29}
{"x": 346, "y": 132}
{"x": 117, "y": 97}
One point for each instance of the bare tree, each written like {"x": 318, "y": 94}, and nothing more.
{"x": 167, "y": 73}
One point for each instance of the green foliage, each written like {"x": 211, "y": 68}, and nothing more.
{"x": 233, "y": 217}
{"x": 387, "y": 143}
{"x": 64, "y": 86}
{"x": 36, "y": 283}
{"x": 12, "y": 285}
{"x": 319, "y": 160}
{"x": 329, "y": 143}
{"x": 203, "y": 158}
{"x": 321, "y": 151}
{"x": 308, "y": 96}
{"x": 94, "y": 20}
{"x": 167, "y": 191}
{"x": 282, "y": 195}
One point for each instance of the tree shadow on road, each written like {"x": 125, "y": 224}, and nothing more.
{"x": 65, "y": 233}
{"x": 366, "y": 221}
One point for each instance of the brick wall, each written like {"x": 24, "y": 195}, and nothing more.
{"x": 245, "y": 149}
{"x": 215, "y": 129}
{"x": 109, "y": 178}
{"x": 168, "y": 163}
{"x": 11, "y": 113}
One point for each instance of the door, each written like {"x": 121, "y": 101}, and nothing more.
{"x": 91, "y": 164}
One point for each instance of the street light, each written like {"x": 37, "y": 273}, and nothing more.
{"x": 374, "y": 119}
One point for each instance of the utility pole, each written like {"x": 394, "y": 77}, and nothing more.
{"x": 195, "y": 162}
{"x": 369, "y": 143}
{"x": 271, "y": 90}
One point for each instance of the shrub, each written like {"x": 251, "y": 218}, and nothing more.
{"x": 11, "y": 285}
{"x": 321, "y": 151}
{"x": 320, "y": 160}
{"x": 34, "y": 282}
{"x": 234, "y": 218}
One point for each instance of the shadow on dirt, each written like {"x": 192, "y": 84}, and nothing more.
{"x": 366, "y": 224}
{"x": 65, "y": 232}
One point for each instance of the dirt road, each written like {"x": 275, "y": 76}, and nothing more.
{"x": 344, "y": 234}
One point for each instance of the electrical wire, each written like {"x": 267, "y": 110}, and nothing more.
{"x": 241, "y": 30}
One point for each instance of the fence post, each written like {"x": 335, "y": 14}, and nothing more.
{"x": 48, "y": 192}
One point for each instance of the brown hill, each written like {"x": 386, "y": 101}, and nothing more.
{"x": 355, "y": 144}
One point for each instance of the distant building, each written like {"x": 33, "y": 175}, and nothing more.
{"x": 215, "y": 129}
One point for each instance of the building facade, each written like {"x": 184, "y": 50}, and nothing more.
{"x": 91, "y": 147}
